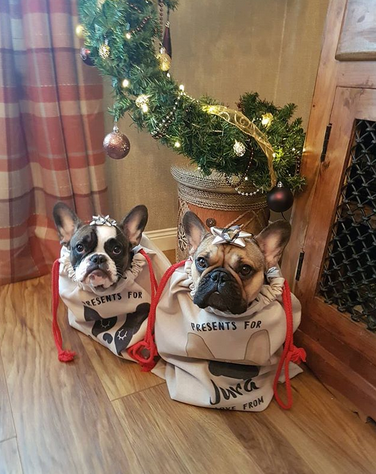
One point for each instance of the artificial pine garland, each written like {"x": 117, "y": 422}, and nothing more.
{"x": 120, "y": 39}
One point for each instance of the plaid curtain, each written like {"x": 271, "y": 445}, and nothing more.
{"x": 51, "y": 132}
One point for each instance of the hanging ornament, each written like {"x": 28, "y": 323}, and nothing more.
{"x": 116, "y": 144}
{"x": 267, "y": 119}
{"x": 239, "y": 148}
{"x": 104, "y": 50}
{"x": 80, "y": 31}
{"x": 85, "y": 56}
{"x": 166, "y": 42}
{"x": 165, "y": 52}
{"x": 280, "y": 198}
{"x": 164, "y": 60}
{"x": 142, "y": 102}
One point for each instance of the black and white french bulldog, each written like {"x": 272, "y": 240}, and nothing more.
{"x": 229, "y": 277}
{"x": 100, "y": 252}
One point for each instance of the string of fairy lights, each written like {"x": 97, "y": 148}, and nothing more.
{"x": 165, "y": 108}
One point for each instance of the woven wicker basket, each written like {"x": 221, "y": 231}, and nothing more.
{"x": 216, "y": 204}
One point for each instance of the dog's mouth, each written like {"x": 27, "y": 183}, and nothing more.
{"x": 96, "y": 276}
{"x": 216, "y": 300}
{"x": 221, "y": 300}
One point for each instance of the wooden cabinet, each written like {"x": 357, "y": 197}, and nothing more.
{"x": 334, "y": 220}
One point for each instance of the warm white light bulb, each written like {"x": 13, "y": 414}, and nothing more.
{"x": 145, "y": 108}
{"x": 125, "y": 83}
{"x": 128, "y": 36}
{"x": 177, "y": 144}
{"x": 181, "y": 87}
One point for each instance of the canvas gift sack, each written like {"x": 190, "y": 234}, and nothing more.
{"x": 114, "y": 317}
{"x": 220, "y": 360}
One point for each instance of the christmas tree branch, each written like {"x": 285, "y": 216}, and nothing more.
{"x": 131, "y": 32}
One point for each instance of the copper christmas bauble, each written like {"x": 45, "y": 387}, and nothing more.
{"x": 85, "y": 56}
{"x": 279, "y": 199}
{"x": 116, "y": 145}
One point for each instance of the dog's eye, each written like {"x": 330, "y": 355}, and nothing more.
{"x": 245, "y": 270}
{"x": 80, "y": 248}
{"x": 117, "y": 250}
{"x": 201, "y": 263}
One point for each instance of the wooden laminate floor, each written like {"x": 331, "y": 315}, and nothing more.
{"x": 100, "y": 414}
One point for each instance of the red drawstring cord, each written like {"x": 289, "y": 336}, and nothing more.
{"x": 67, "y": 356}
{"x": 64, "y": 356}
{"x": 145, "y": 351}
{"x": 290, "y": 352}
{"x": 153, "y": 280}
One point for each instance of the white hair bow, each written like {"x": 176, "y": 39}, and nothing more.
{"x": 230, "y": 235}
{"x": 103, "y": 220}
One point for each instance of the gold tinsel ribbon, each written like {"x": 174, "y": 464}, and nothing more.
{"x": 245, "y": 125}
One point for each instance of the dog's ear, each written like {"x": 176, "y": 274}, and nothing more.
{"x": 66, "y": 222}
{"x": 272, "y": 241}
{"x": 194, "y": 230}
{"x": 134, "y": 224}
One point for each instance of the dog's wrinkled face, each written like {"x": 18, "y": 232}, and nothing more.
{"x": 228, "y": 277}
{"x": 99, "y": 254}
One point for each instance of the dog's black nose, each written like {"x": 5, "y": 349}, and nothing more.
{"x": 98, "y": 259}
{"x": 220, "y": 276}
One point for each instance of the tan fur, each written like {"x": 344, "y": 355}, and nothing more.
{"x": 231, "y": 257}
{"x": 260, "y": 253}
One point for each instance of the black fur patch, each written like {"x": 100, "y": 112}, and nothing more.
{"x": 124, "y": 258}
{"x": 86, "y": 236}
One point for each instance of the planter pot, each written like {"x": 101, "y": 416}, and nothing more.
{"x": 216, "y": 204}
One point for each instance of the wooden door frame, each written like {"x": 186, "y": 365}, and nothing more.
{"x": 331, "y": 74}
{"x": 349, "y": 104}
{"x": 339, "y": 351}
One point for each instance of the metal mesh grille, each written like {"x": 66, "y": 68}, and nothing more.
{"x": 349, "y": 275}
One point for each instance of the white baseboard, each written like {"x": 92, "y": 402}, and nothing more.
{"x": 165, "y": 239}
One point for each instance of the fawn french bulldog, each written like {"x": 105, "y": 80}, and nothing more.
{"x": 220, "y": 325}
{"x": 229, "y": 277}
